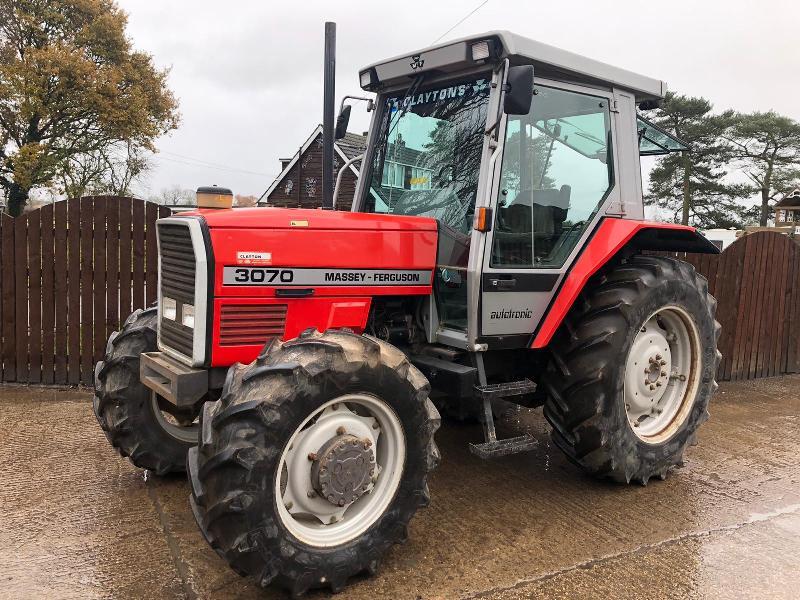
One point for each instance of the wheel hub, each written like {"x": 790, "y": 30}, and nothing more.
{"x": 343, "y": 468}
{"x": 340, "y": 469}
{"x": 658, "y": 372}
{"x": 648, "y": 368}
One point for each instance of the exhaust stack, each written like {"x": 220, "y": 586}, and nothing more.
{"x": 329, "y": 91}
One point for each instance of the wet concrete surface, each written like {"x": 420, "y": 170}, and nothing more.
{"x": 76, "y": 521}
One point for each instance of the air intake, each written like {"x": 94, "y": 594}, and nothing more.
{"x": 251, "y": 324}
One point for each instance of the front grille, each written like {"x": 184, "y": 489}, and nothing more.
{"x": 177, "y": 262}
{"x": 177, "y": 276}
{"x": 249, "y": 324}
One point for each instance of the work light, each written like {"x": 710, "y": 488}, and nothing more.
{"x": 480, "y": 50}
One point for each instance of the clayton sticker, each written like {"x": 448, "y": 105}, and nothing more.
{"x": 254, "y": 258}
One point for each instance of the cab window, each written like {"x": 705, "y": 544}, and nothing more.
{"x": 556, "y": 172}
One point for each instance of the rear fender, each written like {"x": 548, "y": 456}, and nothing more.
{"x": 612, "y": 238}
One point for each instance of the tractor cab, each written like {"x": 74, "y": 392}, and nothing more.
{"x": 517, "y": 149}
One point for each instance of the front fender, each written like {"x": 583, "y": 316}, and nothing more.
{"x": 612, "y": 237}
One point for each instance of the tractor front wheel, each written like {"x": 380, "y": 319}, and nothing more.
{"x": 141, "y": 425}
{"x": 314, "y": 460}
{"x": 633, "y": 369}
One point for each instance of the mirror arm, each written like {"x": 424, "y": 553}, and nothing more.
{"x": 495, "y": 127}
{"x": 339, "y": 177}
{"x": 370, "y": 102}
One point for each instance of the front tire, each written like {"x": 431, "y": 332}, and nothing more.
{"x": 632, "y": 370}
{"x": 132, "y": 417}
{"x": 260, "y": 493}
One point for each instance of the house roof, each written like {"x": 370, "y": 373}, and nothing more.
{"x": 349, "y": 147}
{"x": 352, "y": 144}
{"x": 790, "y": 198}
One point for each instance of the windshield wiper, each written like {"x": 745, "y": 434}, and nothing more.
{"x": 380, "y": 144}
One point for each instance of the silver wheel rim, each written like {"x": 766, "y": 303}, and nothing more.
{"x": 315, "y": 520}
{"x": 181, "y": 433}
{"x": 661, "y": 374}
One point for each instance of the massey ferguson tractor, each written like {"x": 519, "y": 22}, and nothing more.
{"x": 496, "y": 250}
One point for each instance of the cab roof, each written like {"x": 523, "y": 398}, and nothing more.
{"x": 548, "y": 61}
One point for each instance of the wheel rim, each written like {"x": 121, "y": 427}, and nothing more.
{"x": 168, "y": 422}
{"x": 661, "y": 374}
{"x": 321, "y": 442}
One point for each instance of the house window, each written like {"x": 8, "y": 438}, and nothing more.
{"x": 406, "y": 177}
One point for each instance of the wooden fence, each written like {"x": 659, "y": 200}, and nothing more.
{"x": 70, "y": 272}
{"x": 756, "y": 282}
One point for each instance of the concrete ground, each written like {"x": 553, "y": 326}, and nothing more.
{"x": 78, "y": 521}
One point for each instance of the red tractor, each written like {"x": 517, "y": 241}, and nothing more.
{"x": 496, "y": 250}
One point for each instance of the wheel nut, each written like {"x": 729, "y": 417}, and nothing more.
{"x": 289, "y": 506}
{"x": 652, "y": 387}
{"x": 312, "y": 456}
{"x": 334, "y": 518}
{"x": 335, "y": 407}
{"x": 658, "y": 384}
{"x": 311, "y": 494}
{"x": 658, "y": 357}
{"x": 663, "y": 373}
{"x": 662, "y": 363}
{"x": 375, "y": 425}
{"x": 341, "y": 501}
{"x": 340, "y": 430}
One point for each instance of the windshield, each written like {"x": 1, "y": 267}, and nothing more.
{"x": 427, "y": 157}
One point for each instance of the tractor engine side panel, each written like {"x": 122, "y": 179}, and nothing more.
{"x": 335, "y": 273}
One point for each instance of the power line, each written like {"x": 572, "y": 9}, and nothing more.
{"x": 210, "y": 163}
{"x": 467, "y": 16}
{"x": 202, "y": 164}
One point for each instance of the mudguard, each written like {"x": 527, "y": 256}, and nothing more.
{"x": 611, "y": 237}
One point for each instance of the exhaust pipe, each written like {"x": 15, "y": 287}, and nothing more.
{"x": 329, "y": 92}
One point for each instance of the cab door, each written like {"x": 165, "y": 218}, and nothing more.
{"x": 555, "y": 176}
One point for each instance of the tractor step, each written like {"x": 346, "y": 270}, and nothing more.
{"x": 504, "y": 447}
{"x": 496, "y": 391}
{"x": 492, "y": 447}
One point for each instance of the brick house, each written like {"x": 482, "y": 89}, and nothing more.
{"x": 300, "y": 180}
{"x": 787, "y": 209}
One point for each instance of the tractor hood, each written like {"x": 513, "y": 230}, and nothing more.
{"x": 256, "y": 252}
{"x": 302, "y": 218}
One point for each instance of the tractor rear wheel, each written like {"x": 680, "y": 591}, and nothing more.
{"x": 633, "y": 368}
{"x": 314, "y": 460}
{"x": 142, "y": 426}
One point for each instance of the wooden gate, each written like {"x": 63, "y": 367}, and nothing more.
{"x": 70, "y": 273}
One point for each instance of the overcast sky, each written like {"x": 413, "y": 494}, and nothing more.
{"x": 248, "y": 75}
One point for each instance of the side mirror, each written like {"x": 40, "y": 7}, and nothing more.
{"x": 519, "y": 90}
{"x": 342, "y": 121}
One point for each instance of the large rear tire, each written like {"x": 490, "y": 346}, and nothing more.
{"x": 633, "y": 369}
{"x": 133, "y": 418}
{"x": 349, "y": 404}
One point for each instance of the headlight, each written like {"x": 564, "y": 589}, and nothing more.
{"x": 187, "y": 315}
{"x": 168, "y": 308}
